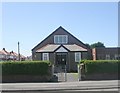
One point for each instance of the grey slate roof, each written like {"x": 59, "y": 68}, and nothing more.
{"x": 53, "y": 47}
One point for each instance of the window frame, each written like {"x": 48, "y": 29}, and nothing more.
{"x": 116, "y": 56}
{"x": 77, "y": 54}
{"x": 59, "y": 39}
{"x": 47, "y": 57}
{"x": 107, "y": 57}
{"x": 1, "y": 56}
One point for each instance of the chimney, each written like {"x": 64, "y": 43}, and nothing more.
{"x": 4, "y": 49}
{"x": 94, "y": 53}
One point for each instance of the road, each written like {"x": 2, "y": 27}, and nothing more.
{"x": 109, "y": 86}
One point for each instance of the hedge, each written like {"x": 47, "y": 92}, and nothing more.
{"x": 25, "y": 68}
{"x": 101, "y": 66}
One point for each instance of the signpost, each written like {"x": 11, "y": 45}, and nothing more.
{"x": 78, "y": 59}
{"x": 79, "y": 72}
{"x": 65, "y": 73}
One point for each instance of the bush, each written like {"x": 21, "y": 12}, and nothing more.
{"x": 25, "y": 68}
{"x": 104, "y": 61}
{"x": 101, "y": 66}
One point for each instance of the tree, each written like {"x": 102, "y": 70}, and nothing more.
{"x": 87, "y": 45}
{"x": 98, "y": 44}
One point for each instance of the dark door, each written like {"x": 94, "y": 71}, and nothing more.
{"x": 61, "y": 58}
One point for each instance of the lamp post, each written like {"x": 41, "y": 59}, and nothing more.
{"x": 18, "y": 51}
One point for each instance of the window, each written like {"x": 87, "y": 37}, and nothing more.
{"x": 61, "y": 39}
{"x": 107, "y": 57}
{"x": 45, "y": 56}
{"x": 77, "y": 57}
{"x": 11, "y": 56}
{"x": 1, "y": 56}
{"x": 116, "y": 56}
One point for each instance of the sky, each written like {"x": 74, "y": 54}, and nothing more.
{"x": 31, "y": 22}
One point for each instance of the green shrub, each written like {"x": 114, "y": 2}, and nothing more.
{"x": 25, "y": 68}
{"x": 101, "y": 66}
{"x": 88, "y": 61}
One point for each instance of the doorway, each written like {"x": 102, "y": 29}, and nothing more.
{"x": 60, "y": 66}
{"x": 61, "y": 58}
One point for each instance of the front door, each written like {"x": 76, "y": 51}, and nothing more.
{"x": 61, "y": 59}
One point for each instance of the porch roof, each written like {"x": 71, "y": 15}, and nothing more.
{"x": 48, "y": 48}
{"x": 75, "y": 47}
{"x": 53, "y": 48}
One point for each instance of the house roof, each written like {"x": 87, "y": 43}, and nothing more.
{"x": 48, "y": 48}
{"x": 56, "y": 31}
{"x": 13, "y": 53}
{"x": 75, "y": 47}
{"x": 4, "y": 52}
{"x": 53, "y": 48}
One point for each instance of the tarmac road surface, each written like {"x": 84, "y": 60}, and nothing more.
{"x": 108, "y": 86}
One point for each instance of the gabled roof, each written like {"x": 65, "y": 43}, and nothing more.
{"x": 53, "y": 48}
{"x": 4, "y": 52}
{"x": 56, "y": 31}
{"x": 13, "y": 53}
{"x": 61, "y": 49}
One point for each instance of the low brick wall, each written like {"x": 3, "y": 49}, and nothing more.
{"x": 25, "y": 78}
{"x": 100, "y": 76}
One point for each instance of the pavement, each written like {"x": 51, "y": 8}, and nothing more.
{"x": 68, "y": 77}
{"x": 108, "y": 86}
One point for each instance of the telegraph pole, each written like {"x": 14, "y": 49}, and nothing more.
{"x": 18, "y": 51}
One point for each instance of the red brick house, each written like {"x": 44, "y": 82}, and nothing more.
{"x": 106, "y": 53}
{"x": 61, "y": 47}
{"x": 7, "y": 56}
